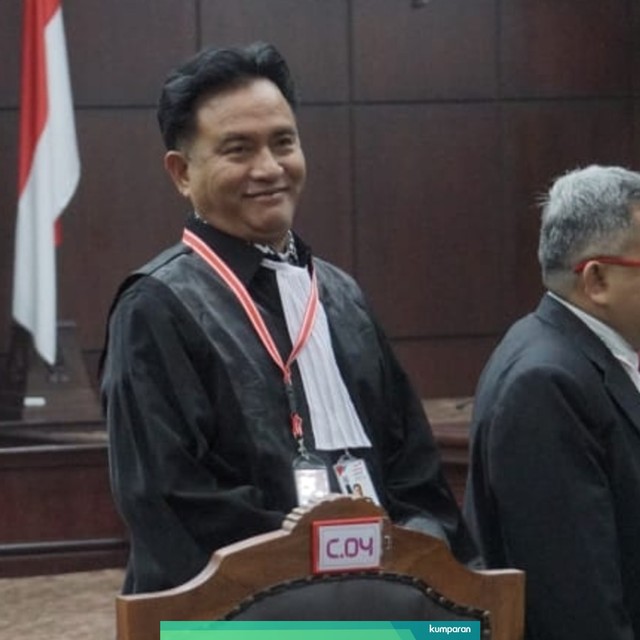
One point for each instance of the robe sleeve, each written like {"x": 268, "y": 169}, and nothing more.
{"x": 178, "y": 498}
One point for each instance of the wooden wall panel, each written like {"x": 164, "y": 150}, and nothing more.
{"x": 312, "y": 35}
{"x": 124, "y": 212}
{"x": 636, "y": 132}
{"x": 542, "y": 141}
{"x": 424, "y": 133}
{"x": 120, "y": 51}
{"x": 577, "y": 47}
{"x": 8, "y": 192}
{"x": 443, "y": 50}
{"x": 428, "y": 229}
{"x": 445, "y": 367}
{"x": 635, "y": 46}
{"x": 325, "y": 216}
{"x": 10, "y": 54}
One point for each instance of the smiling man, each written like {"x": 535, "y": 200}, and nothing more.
{"x": 244, "y": 169}
{"x": 242, "y": 376}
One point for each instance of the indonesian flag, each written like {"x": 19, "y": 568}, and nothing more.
{"x": 48, "y": 170}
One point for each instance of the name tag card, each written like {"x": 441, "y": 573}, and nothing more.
{"x": 352, "y": 544}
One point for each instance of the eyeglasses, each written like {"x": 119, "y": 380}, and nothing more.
{"x": 621, "y": 262}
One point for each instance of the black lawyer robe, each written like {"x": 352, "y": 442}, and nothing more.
{"x": 200, "y": 442}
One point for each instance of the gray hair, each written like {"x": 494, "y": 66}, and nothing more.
{"x": 587, "y": 212}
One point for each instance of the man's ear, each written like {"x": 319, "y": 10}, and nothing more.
{"x": 177, "y": 167}
{"x": 595, "y": 282}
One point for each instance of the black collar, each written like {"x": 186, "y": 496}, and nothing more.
{"x": 241, "y": 256}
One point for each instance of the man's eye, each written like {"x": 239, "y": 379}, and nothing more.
{"x": 286, "y": 142}
{"x": 236, "y": 149}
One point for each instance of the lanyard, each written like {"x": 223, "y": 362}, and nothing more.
{"x": 222, "y": 269}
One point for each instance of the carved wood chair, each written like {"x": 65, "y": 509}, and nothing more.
{"x": 271, "y": 577}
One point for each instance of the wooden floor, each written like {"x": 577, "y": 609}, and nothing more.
{"x": 71, "y": 606}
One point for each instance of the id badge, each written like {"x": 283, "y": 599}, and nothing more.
{"x": 311, "y": 478}
{"x": 354, "y": 479}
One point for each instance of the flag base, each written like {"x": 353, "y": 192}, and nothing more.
{"x": 33, "y": 392}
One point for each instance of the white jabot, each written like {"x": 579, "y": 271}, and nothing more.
{"x": 619, "y": 347}
{"x": 334, "y": 420}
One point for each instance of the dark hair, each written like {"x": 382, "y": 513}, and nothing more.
{"x": 209, "y": 72}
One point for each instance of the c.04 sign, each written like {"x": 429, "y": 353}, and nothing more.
{"x": 347, "y": 545}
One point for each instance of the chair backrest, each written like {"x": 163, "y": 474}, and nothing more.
{"x": 283, "y": 575}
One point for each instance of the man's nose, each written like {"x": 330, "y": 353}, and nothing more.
{"x": 266, "y": 164}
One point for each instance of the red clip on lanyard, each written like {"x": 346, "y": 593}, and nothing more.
{"x": 241, "y": 293}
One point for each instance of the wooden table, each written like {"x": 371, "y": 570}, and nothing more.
{"x": 450, "y": 419}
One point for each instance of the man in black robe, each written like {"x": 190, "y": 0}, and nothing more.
{"x": 241, "y": 372}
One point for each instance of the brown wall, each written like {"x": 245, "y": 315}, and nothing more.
{"x": 429, "y": 133}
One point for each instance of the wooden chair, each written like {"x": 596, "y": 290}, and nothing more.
{"x": 271, "y": 577}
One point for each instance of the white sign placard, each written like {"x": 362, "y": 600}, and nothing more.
{"x": 347, "y": 545}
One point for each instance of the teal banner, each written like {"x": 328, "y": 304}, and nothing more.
{"x": 361, "y": 630}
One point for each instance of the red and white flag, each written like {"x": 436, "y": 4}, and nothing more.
{"x": 48, "y": 170}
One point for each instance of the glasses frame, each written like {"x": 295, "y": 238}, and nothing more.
{"x": 615, "y": 260}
